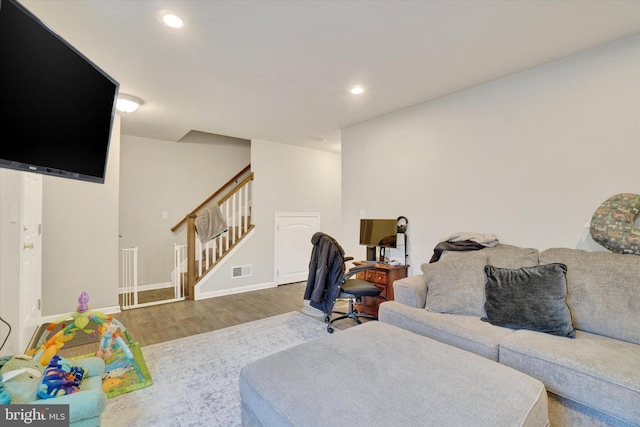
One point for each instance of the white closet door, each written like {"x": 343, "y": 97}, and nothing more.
{"x": 293, "y": 245}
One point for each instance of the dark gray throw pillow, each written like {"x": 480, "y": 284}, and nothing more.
{"x": 533, "y": 298}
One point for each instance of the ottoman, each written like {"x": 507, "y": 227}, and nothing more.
{"x": 376, "y": 374}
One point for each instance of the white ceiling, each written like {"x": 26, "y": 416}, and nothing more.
{"x": 281, "y": 70}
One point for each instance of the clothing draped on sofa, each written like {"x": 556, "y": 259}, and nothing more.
{"x": 463, "y": 242}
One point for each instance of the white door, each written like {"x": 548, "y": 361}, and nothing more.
{"x": 30, "y": 257}
{"x": 293, "y": 245}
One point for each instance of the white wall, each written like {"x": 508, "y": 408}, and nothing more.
{"x": 173, "y": 177}
{"x": 287, "y": 179}
{"x": 528, "y": 157}
{"x": 80, "y": 238}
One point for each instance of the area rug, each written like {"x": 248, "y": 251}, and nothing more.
{"x": 195, "y": 379}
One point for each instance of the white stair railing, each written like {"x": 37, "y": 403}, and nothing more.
{"x": 179, "y": 270}
{"x": 236, "y": 211}
{"x": 129, "y": 259}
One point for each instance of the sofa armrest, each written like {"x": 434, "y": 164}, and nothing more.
{"x": 411, "y": 291}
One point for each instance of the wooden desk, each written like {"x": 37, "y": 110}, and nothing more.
{"x": 383, "y": 277}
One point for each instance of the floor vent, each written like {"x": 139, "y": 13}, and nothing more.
{"x": 241, "y": 271}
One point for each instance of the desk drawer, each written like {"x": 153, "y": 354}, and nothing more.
{"x": 380, "y": 277}
{"x": 370, "y": 276}
{"x": 373, "y": 276}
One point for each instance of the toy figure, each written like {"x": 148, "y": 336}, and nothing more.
{"x": 108, "y": 332}
{"x": 79, "y": 321}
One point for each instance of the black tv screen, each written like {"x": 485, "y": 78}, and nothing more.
{"x": 57, "y": 106}
{"x": 378, "y": 232}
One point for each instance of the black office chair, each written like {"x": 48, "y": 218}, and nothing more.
{"x": 328, "y": 281}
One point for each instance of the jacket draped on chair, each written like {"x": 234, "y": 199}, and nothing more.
{"x": 326, "y": 271}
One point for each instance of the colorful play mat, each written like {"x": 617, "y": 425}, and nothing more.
{"x": 125, "y": 368}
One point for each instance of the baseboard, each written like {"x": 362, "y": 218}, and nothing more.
{"x": 233, "y": 291}
{"x": 56, "y": 318}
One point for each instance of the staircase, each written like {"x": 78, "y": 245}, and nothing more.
{"x": 195, "y": 260}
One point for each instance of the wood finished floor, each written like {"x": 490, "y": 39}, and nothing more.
{"x": 160, "y": 323}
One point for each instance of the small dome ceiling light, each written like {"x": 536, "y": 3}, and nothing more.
{"x": 357, "y": 90}
{"x": 128, "y": 103}
{"x": 171, "y": 20}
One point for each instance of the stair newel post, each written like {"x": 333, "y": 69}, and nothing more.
{"x": 191, "y": 255}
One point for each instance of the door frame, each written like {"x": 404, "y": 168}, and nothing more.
{"x": 277, "y": 217}
{"x": 30, "y": 306}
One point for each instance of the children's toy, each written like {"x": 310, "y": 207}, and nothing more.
{"x": 120, "y": 366}
{"x": 21, "y": 376}
{"x": 114, "y": 350}
{"x": 108, "y": 331}
{"x": 5, "y": 398}
{"x": 24, "y": 380}
{"x": 60, "y": 378}
{"x": 45, "y": 350}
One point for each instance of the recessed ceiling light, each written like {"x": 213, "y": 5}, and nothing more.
{"x": 171, "y": 20}
{"x": 357, "y": 90}
{"x": 128, "y": 103}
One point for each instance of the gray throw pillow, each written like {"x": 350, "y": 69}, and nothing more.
{"x": 456, "y": 286}
{"x": 533, "y": 298}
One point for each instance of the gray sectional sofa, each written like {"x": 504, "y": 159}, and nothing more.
{"x": 590, "y": 367}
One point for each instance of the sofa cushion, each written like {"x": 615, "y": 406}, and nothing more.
{"x": 532, "y": 298}
{"x": 596, "y": 371}
{"x": 456, "y": 286}
{"x": 465, "y": 332}
{"x": 603, "y": 291}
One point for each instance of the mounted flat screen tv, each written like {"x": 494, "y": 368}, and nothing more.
{"x": 378, "y": 232}
{"x": 57, "y": 106}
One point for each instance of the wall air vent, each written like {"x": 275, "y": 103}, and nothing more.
{"x": 241, "y": 271}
